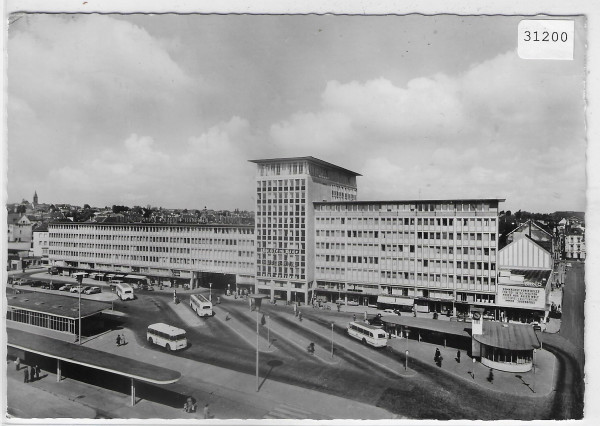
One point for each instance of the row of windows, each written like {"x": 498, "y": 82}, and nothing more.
{"x": 482, "y": 206}
{"x": 39, "y": 319}
{"x": 281, "y": 184}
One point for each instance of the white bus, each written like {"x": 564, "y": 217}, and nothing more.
{"x": 124, "y": 291}
{"x": 201, "y": 305}
{"x": 167, "y": 336}
{"x": 368, "y": 334}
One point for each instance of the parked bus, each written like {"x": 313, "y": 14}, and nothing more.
{"x": 368, "y": 334}
{"x": 124, "y": 291}
{"x": 201, "y": 305}
{"x": 167, "y": 336}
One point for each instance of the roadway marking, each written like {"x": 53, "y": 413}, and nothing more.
{"x": 285, "y": 411}
{"x": 185, "y": 313}
{"x": 364, "y": 357}
{"x": 251, "y": 342}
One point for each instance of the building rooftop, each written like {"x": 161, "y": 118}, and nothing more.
{"x": 63, "y": 306}
{"x": 309, "y": 158}
{"x": 516, "y": 337}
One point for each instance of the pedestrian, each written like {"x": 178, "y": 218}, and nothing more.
{"x": 437, "y": 354}
{"x": 458, "y": 356}
{"x": 37, "y": 372}
{"x": 300, "y": 316}
{"x": 123, "y": 339}
{"x": 18, "y": 363}
{"x": 206, "y": 411}
{"x": 31, "y": 373}
{"x": 354, "y": 317}
{"x": 26, "y": 375}
{"x": 218, "y": 300}
{"x": 118, "y": 340}
{"x": 226, "y": 316}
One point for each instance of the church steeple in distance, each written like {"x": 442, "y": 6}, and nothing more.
{"x": 35, "y": 198}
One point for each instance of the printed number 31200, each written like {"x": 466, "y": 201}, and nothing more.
{"x": 554, "y": 36}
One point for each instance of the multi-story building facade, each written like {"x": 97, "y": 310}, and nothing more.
{"x": 156, "y": 250}
{"x": 313, "y": 239}
{"x": 437, "y": 255}
{"x": 285, "y": 227}
{"x": 40, "y": 244}
{"x": 575, "y": 245}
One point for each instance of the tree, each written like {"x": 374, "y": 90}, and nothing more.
{"x": 86, "y": 206}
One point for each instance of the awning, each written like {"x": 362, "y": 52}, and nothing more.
{"x": 136, "y": 277}
{"x": 110, "y": 275}
{"x": 390, "y": 300}
{"x": 61, "y": 263}
{"x": 120, "y": 276}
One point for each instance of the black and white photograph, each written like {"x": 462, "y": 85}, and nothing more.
{"x": 276, "y": 216}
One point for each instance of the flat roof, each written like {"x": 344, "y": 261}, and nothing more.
{"x": 508, "y": 336}
{"x": 448, "y": 200}
{"x": 62, "y": 306}
{"x": 309, "y": 158}
{"x": 531, "y": 277}
{"x": 88, "y": 357}
{"x": 440, "y": 326}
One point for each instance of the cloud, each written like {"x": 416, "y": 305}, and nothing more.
{"x": 494, "y": 130}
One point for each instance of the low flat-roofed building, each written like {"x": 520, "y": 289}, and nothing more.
{"x": 60, "y": 313}
{"x": 506, "y": 347}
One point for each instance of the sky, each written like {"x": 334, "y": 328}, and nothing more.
{"x": 166, "y": 110}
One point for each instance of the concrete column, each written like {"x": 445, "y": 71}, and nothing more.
{"x": 272, "y": 293}
{"x": 289, "y": 294}
{"x": 132, "y": 392}
{"x": 58, "y": 370}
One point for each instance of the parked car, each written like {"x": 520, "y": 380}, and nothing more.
{"x": 76, "y": 289}
{"x": 53, "y": 271}
{"x": 92, "y": 290}
{"x": 352, "y": 303}
{"x": 340, "y": 302}
{"x": 66, "y": 287}
{"x": 391, "y": 311}
{"x": 147, "y": 287}
{"x": 36, "y": 283}
{"x": 85, "y": 289}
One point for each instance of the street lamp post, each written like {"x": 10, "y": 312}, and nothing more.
{"x": 257, "y": 302}
{"x": 79, "y": 279}
{"x": 534, "y": 371}
{"x": 331, "y": 340}
{"x": 406, "y": 332}
{"x": 210, "y": 291}
{"x": 269, "y": 330}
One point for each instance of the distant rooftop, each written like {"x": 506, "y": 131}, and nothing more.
{"x": 309, "y": 158}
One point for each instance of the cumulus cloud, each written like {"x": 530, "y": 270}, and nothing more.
{"x": 488, "y": 131}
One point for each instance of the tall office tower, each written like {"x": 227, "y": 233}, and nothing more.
{"x": 285, "y": 191}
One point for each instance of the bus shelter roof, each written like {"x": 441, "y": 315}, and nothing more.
{"x": 91, "y": 358}
{"x": 517, "y": 337}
